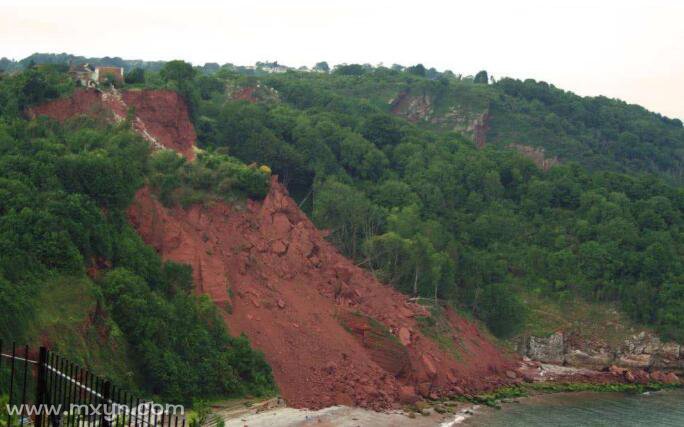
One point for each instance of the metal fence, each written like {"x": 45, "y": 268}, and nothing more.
{"x": 45, "y": 389}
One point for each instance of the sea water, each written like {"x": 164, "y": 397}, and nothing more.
{"x": 663, "y": 408}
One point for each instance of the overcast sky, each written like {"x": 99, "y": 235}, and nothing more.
{"x": 633, "y": 50}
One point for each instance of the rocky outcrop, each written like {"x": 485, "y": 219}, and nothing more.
{"x": 420, "y": 108}
{"x": 414, "y": 108}
{"x": 534, "y": 371}
{"x": 639, "y": 351}
{"x": 253, "y": 94}
{"x": 537, "y": 155}
{"x": 472, "y": 124}
{"x": 163, "y": 115}
{"x": 546, "y": 349}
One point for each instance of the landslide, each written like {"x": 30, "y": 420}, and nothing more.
{"x": 160, "y": 116}
{"x": 330, "y": 331}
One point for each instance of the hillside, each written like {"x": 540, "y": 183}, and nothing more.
{"x": 599, "y": 133}
{"x": 154, "y": 194}
{"x": 331, "y": 332}
{"x": 74, "y": 276}
{"x": 438, "y": 216}
{"x": 275, "y": 279}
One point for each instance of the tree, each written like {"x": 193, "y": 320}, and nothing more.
{"x": 322, "y": 67}
{"x": 418, "y": 69}
{"x": 348, "y": 213}
{"x": 177, "y": 71}
{"x": 349, "y": 70}
{"x": 501, "y": 309}
{"x": 136, "y": 75}
{"x": 481, "y": 77}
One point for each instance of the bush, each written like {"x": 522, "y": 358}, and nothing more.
{"x": 501, "y": 309}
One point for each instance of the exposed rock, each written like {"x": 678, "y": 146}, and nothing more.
{"x": 418, "y": 107}
{"x": 547, "y": 349}
{"x": 278, "y": 247}
{"x": 473, "y": 124}
{"x": 161, "y": 116}
{"x": 404, "y": 336}
{"x": 537, "y": 155}
{"x": 671, "y": 378}
{"x": 596, "y": 360}
{"x": 639, "y": 351}
{"x": 634, "y": 360}
{"x": 414, "y": 108}
{"x": 429, "y": 366}
{"x": 407, "y": 394}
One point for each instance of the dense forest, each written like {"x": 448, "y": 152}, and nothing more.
{"x": 435, "y": 217}
{"x": 63, "y": 194}
{"x": 413, "y": 201}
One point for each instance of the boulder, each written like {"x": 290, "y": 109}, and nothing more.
{"x": 429, "y": 366}
{"x": 404, "y": 336}
{"x": 424, "y": 389}
{"x": 343, "y": 272}
{"x": 671, "y": 378}
{"x": 278, "y": 247}
{"x": 640, "y": 361}
{"x": 595, "y": 360}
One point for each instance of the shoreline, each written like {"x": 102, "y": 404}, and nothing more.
{"x": 537, "y": 381}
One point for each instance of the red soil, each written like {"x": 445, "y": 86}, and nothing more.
{"x": 309, "y": 309}
{"x": 245, "y": 94}
{"x": 161, "y": 116}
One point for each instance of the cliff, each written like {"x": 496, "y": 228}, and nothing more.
{"x": 160, "y": 116}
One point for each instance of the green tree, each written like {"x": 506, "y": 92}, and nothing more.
{"x": 481, "y": 77}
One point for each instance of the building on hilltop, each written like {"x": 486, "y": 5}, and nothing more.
{"x": 103, "y": 74}
{"x": 83, "y": 74}
{"x": 90, "y": 76}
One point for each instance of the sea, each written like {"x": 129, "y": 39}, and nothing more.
{"x": 652, "y": 409}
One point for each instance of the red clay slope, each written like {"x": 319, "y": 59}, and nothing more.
{"x": 330, "y": 331}
{"x": 308, "y": 308}
{"x": 161, "y": 116}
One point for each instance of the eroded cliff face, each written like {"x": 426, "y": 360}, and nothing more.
{"x": 643, "y": 350}
{"x": 420, "y": 108}
{"x": 537, "y": 154}
{"x": 331, "y": 332}
{"x": 160, "y": 116}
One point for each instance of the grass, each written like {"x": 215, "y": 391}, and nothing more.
{"x": 68, "y": 312}
{"x": 438, "y": 329}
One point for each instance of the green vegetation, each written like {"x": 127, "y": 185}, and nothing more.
{"x": 416, "y": 203}
{"x": 436, "y": 218}
{"x": 64, "y": 190}
{"x": 211, "y": 176}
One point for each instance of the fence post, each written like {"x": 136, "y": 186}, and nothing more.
{"x": 41, "y": 385}
{"x": 106, "y": 395}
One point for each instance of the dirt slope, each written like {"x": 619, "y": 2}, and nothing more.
{"x": 160, "y": 116}
{"x": 331, "y": 332}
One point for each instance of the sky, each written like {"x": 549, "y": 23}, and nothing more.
{"x": 628, "y": 49}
